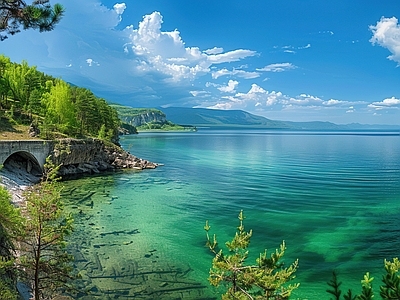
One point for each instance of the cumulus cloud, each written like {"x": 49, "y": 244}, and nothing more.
{"x": 277, "y": 67}
{"x": 230, "y": 88}
{"x": 304, "y": 100}
{"x": 386, "y": 33}
{"x": 386, "y": 103}
{"x": 256, "y": 98}
{"x": 120, "y": 8}
{"x": 165, "y": 51}
{"x": 333, "y": 102}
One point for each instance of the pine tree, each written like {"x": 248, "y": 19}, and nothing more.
{"x": 45, "y": 260}
{"x": 267, "y": 279}
{"x": 16, "y": 14}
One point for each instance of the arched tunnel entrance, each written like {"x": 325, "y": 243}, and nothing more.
{"x": 24, "y": 166}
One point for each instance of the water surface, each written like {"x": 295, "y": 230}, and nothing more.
{"x": 333, "y": 198}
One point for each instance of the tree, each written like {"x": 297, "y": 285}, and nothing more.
{"x": 45, "y": 259}
{"x": 390, "y": 289}
{"x": 60, "y": 111}
{"x": 10, "y": 228}
{"x": 40, "y": 15}
{"x": 267, "y": 279}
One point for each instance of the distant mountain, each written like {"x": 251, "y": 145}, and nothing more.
{"x": 237, "y": 118}
{"x": 215, "y": 117}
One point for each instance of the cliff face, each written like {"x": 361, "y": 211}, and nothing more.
{"x": 93, "y": 156}
{"x": 144, "y": 118}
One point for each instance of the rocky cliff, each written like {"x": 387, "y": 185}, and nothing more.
{"x": 144, "y": 117}
{"x": 93, "y": 156}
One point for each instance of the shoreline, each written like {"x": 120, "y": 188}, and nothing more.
{"x": 15, "y": 184}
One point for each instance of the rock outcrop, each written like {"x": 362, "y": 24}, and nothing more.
{"x": 93, "y": 156}
{"x": 145, "y": 118}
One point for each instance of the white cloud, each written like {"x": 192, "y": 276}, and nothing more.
{"x": 165, "y": 52}
{"x": 305, "y": 47}
{"x": 91, "y": 62}
{"x": 230, "y": 88}
{"x": 333, "y": 102}
{"x": 256, "y": 97}
{"x": 198, "y": 93}
{"x": 277, "y": 67}
{"x": 386, "y": 33}
{"x": 231, "y": 56}
{"x": 304, "y": 100}
{"x": 289, "y": 51}
{"x": 386, "y": 103}
{"x": 214, "y": 50}
{"x": 120, "y": 8}
{"x": 234, "y": 72}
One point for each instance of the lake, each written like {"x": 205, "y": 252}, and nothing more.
{"x": 332, "y": 196}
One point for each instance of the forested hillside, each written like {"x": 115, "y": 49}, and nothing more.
{"x": 146, "y": 119}
{"x": 52, "y": 105}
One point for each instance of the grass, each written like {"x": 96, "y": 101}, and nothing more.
{"x": 10, "y": 130}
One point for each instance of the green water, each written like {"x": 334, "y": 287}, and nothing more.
{"x": 334, "y": 199}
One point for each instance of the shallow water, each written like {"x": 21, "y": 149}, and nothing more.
{"x": 333, "y": 197}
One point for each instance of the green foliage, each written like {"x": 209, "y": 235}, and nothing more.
{"x": 127, "y": 111}
{"x": 102, "y": 132}
{"x": 6, "y": 290}
{"x": 10, "y": 228}
{"x": 267, "y": 279}
{"x": 166, "y": 126}
{"x": 10, "y": 223}
{"x": 39, "y": 15}
{"x": 391, "y": 280}
{"x": 44, "y": 257}
{"x": 59, "y": 109}
{"x": 390, "y": 289}
{"x": 335, "y": 285}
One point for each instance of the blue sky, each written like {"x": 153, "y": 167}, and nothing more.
{"x": 286, "y": 60}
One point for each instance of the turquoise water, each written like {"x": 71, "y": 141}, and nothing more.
{"x": 333, "y": 198}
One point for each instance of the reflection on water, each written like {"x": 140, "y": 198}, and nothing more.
{"x": 334, "y": 199}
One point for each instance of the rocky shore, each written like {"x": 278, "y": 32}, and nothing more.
{"x": 91, "y": 156}
{"x": 75, "y": 157}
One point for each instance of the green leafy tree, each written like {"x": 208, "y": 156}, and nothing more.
{"x": 10, "y": 228}
{"x": 267, "y": 279}
{"x": 16, "y": 14}
{"x": 45, "y": 259}
{"x": 5, "y": 63}
{"x": 60, "y": 110}
{"x": 102, "y": 132}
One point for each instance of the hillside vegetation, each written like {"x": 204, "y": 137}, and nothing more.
{"x": 146, "y": 119}
{"x": 51, "y": 106}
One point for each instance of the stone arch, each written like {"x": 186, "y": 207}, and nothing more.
{"x": 23, "y": 161}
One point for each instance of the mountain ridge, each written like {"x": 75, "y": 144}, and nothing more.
{"x": 238, "y": 118}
